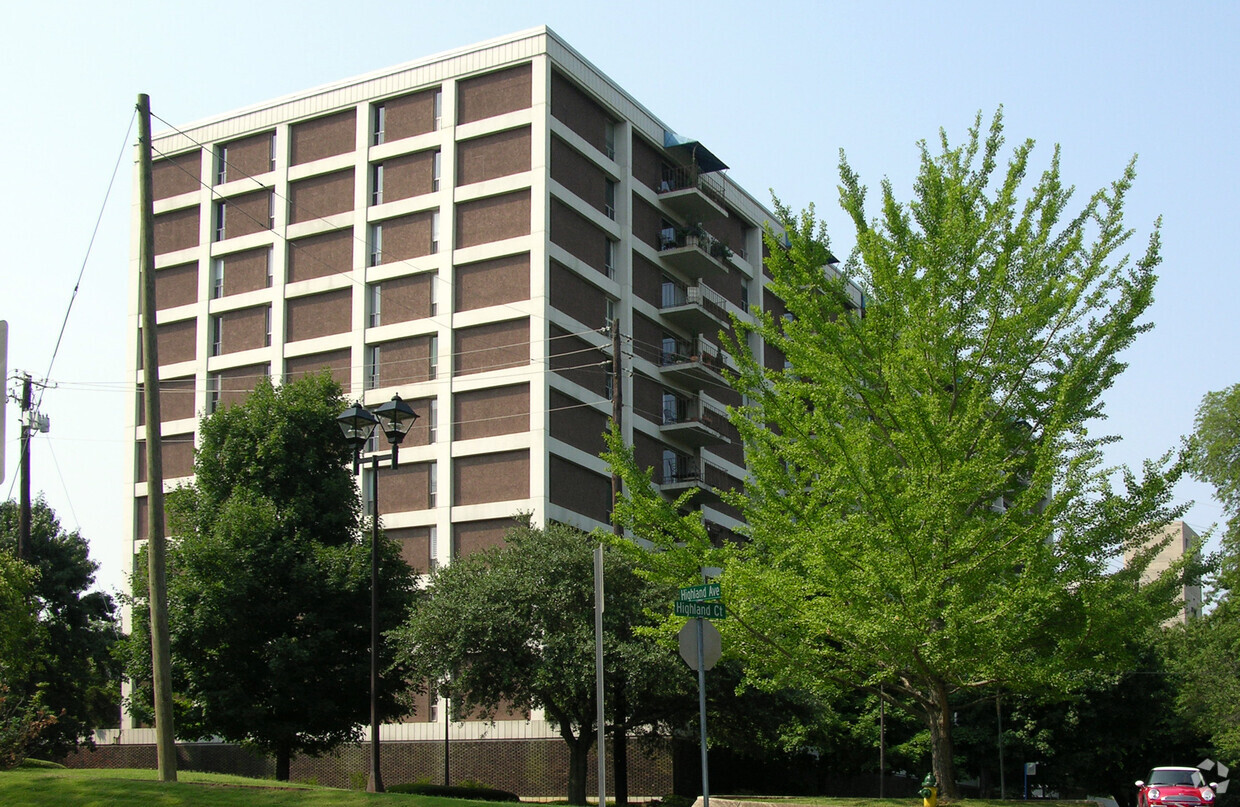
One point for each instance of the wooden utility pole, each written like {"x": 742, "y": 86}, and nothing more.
{"x": 619, "y": 735}
{"x": 23, "y": 528}
{"x": 161, "y": 654}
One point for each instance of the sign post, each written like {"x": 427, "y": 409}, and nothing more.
{"x": 701, "y": 603}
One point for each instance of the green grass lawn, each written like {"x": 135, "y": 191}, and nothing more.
{"x": 59, "y": 787}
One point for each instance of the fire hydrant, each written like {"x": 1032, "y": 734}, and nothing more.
{"x": 929, "y": 791}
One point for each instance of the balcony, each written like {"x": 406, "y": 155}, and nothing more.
{"x": 692, "y": 194}
{"x": 692, "y": 421}
{"x": 694, "y": 252}
{"x": 693, "y": 364}
{"x": 680, "y": 472}
{"x": 694, "y": 308}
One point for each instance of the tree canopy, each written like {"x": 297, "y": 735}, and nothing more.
{"x": 269, "y": 580}
{"x": 928, "y": 513}
{"x": 73, "y": 663}
{"x": 511, "y": 629}
{"x": 1208, "y": 661}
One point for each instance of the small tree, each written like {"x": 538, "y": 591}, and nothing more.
{"x": 512, "y": 628}
{"x": 269, "y": 581}
{"x": 928, "y": 516}
{"x": 76, "y": 668}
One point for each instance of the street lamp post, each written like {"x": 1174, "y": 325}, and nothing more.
{"x": 358, "y": 424}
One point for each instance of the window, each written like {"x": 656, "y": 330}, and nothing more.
{"x": 213, "y": 392}
{"x": 376, "y": 244}
{"x": 438, "y": 108}
{"x": 432, "y": 424}
{"x": 609, "y": 311}
{"x": 434, "y": 358}
{"x": 609, "y": 258}
{"x": 436, "y": 167}
{"x": 434, "y": 232}
{"x": 217, "y": 334}
{"x": 221, "y": 165}
{"x": 368, "y": 501}
{"x": 609, "y": 139}
{"x": 378, "y": 124}
{"x": 220, "y": 209}
{"x": 267, "y": 325}
{"x": 609, "y": 198}
{"x": 434, "y": 558}
{"x": 432, "y": 485}
{"x": 434, "y": 295}
{"x": 271, "y": 270}
{"x": 374, "y": 302}
{"x": 745, "y": 293}
{"x": 609, "y": 383}
{"x": 674, "y": 408}
{"x": 271, "y": 210}
{"x": 217, "y": 278}
{"x": 271, "y": 157}
{"x": 372, "y": 367}
{"x": 376, "y": 184}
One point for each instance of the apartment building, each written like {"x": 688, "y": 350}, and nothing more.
{"x": 1182, "y": 537}
{"x": 461, "y": 230}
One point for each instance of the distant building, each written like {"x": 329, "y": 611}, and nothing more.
{"x": 1182, "y": 538}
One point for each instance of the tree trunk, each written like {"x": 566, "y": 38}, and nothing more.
{"x": 578, "y": 765}
{"x": 284, "y": 754}
{"x": 620, "y": 746}
{"x": 939, "y": 716}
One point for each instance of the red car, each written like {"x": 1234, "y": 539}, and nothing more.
{"x": 1175, "y": 787}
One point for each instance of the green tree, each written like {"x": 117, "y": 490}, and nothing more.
{"x": 928, "y": 510}
{"x": 75, "y": 667}
{"x": 269, "y": 581}
{"x": 1208, "y": 663}
{"x": 512, "y": 628}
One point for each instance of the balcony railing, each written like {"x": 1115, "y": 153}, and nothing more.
{"x": 691, "y": 178}
{"x": 676, "y": 296}
{"x": 699, "y": 350}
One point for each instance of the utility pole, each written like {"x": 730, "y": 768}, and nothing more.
{"x": 23, "y": 529}
{"x": 161, "y": 654}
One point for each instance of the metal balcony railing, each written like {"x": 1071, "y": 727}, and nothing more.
{"x": 691, "y": 177}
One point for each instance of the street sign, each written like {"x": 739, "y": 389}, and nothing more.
{"x": 706, "y": 591}
{"x": 712, "y": 647}
{"x": 700, "y": 610}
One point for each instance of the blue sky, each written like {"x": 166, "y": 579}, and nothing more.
{"x": 776, "y": 89}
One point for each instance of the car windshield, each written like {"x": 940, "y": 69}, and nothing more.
{"x": 1182, "y": 778}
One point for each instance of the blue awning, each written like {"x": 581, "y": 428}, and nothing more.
{"x": 692, "y": 151}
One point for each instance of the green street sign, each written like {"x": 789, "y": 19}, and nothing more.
{"x": 701, "y": 610}
{"x": 706, "y": 591}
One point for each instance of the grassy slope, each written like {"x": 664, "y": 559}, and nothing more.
{"x": 138, "y": 788}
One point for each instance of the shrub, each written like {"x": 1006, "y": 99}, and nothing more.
{"x": 21, "y": 723}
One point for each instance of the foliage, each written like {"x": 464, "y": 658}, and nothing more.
{"x": 74, "y": 667}
{"x": 512, "y": 628}
{"x": 23, "y": 724}
{"x": 454, "y": 792}
{"x": 928, "y": 511}
{"x": 269, "y": 581}
{"x": 1208, "y": 661}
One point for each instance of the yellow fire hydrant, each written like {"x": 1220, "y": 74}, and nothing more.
{"x": 929, "y": 791}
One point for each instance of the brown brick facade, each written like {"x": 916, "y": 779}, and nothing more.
{"x": 494, "y": 155}
{"x": 493, "y": 282}
{"x": 176, "y": 285}
{"x": 490, "y": 412}
{"x": 494, "y": 94}
{"x": 494, "y": 218}
{"x": 323, "y": 137}
{"x": 319, "y": 255}
{"x": 177, "y": 229}
{"x": 318, "y": 315}
{"x": 175, "y": 175}
{"x": 483, "y": 478}
{"x": 493, "y": 346}
{"x": 320, "y": 196}
{"x": 245, "y": 271}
